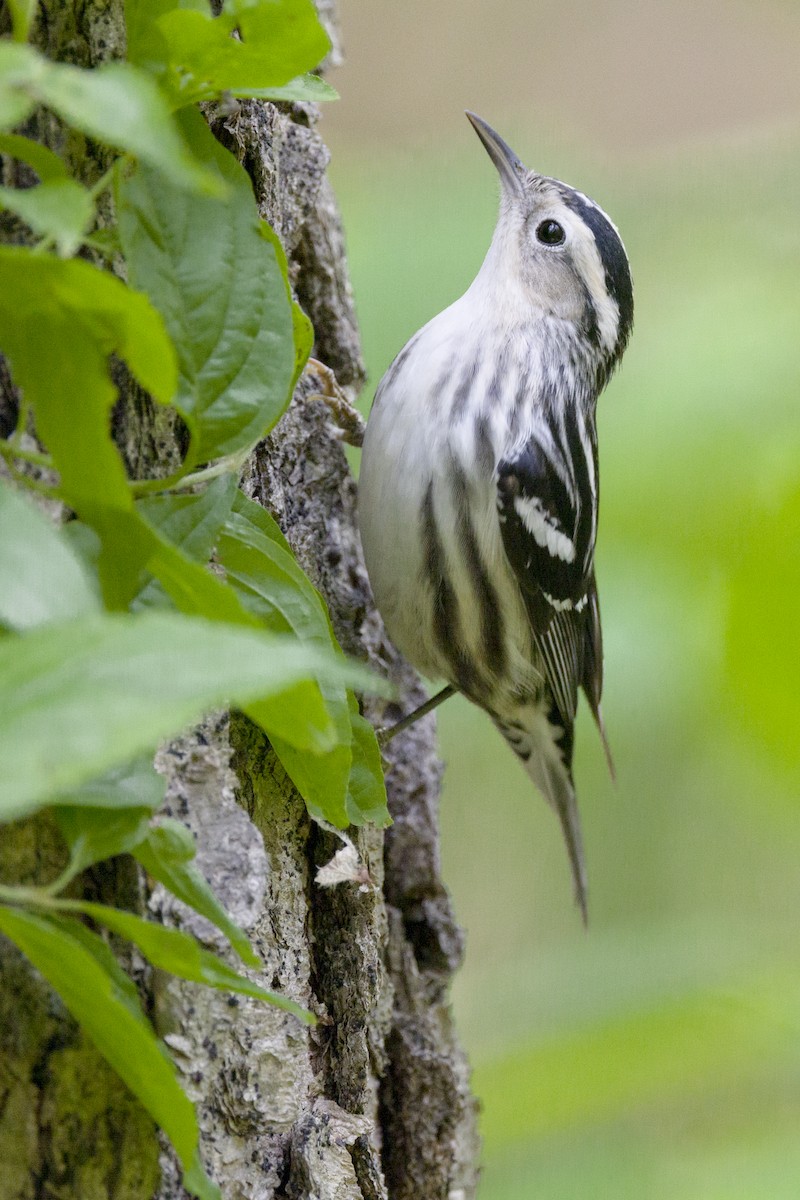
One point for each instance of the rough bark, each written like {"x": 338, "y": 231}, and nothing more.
{"x": 373, "y": 1103}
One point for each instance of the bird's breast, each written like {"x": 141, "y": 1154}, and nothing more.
{"x": 446, "y": 413}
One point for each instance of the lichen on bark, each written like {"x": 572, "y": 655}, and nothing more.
{"x": 374, "y": 1102}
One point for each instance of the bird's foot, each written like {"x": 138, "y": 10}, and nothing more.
{"x": 350, "y": 424}
{"x": 386, "y": 733}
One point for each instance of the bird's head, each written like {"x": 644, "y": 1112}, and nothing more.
{"x": 560, "y": 254}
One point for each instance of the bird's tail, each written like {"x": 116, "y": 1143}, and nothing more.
{"x": 559, "y": 791}
{"x": 544, "y": 763}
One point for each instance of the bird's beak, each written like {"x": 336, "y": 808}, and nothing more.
{"x": 512, "y": 171}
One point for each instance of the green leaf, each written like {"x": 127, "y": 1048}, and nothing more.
{"x": 80, "y": 697}
{"x": 118, "y": 104}
{"x": 197, "y": 591}
{"x": 266, "y": 575}
{"x": 84, "y": 543}
{"x": 166, "y": 853}
{"x": 195, "y": 1179}
{"x": 60, "y": 209}
{"x": 303, "y": 332}
{"x": 47, "y": 165}
{"x": 122, "y": 107}
{"x": 366, "y": 789}
{"x": 255, "y": 514}
{"x": 136, "y": 784}
{"x": 290, "y": 28}
{"x": 156, "y": 571}
{"x": 22, "y": 14}
{"x": 179, "y": 953}
{"x": 73, "y": 316}
{"x": 197, "y": 57}
{"x": 145, "y": 47}
{"x": 106, "y": 241}
{"x": 319, "y": 781}
{"x": 305, "y": 89}
{"x": 121, "y": 1035}
{"x": 16, "y": 65}
{"x": 192, "y": 522}
{"x": 197, "y": 1182}
{"x": 123, "y": 549}
{"x": 41, "y": 578}
{"x": 121, "y": 320}
{"x": 124, "y": 986}
{"x": 365, "y": 794}
{"x": 193, "y": 588}
{"x": 93, "y": 834}
{"x": 59, "y": 321}
{"x": 221, "y": 287}
{"x": 272, "y": 585}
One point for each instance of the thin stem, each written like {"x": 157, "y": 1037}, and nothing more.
{"x": 178, "y": 483}
{"x": 51, "y": 890}
{"x": 103, "y": 248}
{"x": 42, "y": 247}
{"x": 38, "y": 459}
{"x": 40, "y": 898}
{"x": 35, "y": 485}
{"x": 104, "y": 181}
{"x": 146, "y": 487}
{"x": 25, "y": 895}
{"x": 225, "y": 466}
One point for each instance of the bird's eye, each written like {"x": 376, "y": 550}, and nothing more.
{"x": 551, "y": 233}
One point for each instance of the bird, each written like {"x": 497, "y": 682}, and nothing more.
{"x": 479, "y": 481}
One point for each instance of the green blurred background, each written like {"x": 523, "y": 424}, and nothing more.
{"x": 657, "y": 1056}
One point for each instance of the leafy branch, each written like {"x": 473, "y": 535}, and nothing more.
{"x": 114, "y": 632}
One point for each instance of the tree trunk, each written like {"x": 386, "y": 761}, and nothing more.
{"x": 374, "y": 1102}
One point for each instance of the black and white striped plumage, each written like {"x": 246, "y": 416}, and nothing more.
{"x": 479, "y": 477}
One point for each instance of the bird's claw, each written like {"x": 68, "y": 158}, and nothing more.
{"x": 350, "y": 424}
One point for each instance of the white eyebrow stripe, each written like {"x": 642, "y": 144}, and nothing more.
{"x": 586, "y": 256}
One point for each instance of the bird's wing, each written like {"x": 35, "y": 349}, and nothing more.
{"x": 547, "y": 519}
{"x": 592, "y": 677}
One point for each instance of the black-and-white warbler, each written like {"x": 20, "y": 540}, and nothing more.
{"x": 479, "y": 476}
